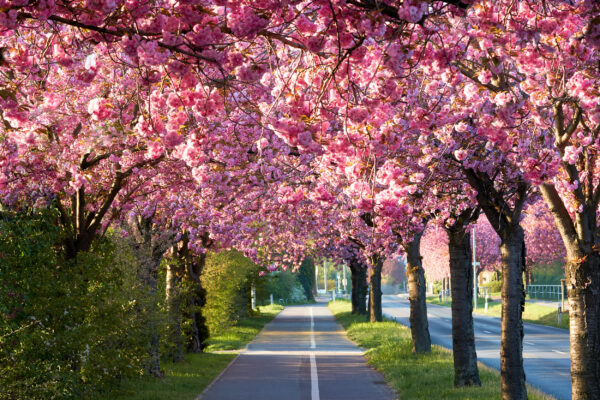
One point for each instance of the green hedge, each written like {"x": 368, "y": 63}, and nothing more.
{"x": 67, "y": 328}
{"x": 227, "y": 278}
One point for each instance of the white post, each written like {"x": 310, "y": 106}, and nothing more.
{"x": 271, "y": 299}
{"x": 253, "y": 293}
{"x": 475, "y": 264}
{"x": 317, "y": 279}
{"x": 325, "y": 275}
{"x": 344, "y": 281}
{"x": 487, "y": 289}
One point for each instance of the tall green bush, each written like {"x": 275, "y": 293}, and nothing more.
{"x": 227, "y": 278}
{"x": 67, "y": 329}
{"x": 306, "y": 276}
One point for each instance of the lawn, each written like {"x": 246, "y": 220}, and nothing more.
{"x": 244, "y": 331}
{"x": 534, "y": 313}
{"x": 414, "y": 376}
{"x": 186, "y": 380}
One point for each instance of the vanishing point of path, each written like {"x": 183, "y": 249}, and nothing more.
{"x": 303, "y": 354}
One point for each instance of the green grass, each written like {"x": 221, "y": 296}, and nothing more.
{"x": 182, "y": 381}
{"x": 186, "y": 380}
{"x": 244, "y": 331}
{"x": 534, "y": 313}
{"x": 414, "y": 376}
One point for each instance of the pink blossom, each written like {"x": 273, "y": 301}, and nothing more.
{"x": 461, "y": 154}
{"x": 485, "y": 76}
{"x": 100, "y": 109}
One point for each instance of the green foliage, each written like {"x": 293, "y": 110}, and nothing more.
{"x": 67, "y": 328}
{"x": 285, "y": 285}
{"x": 495, "y": 286}
{"x": 306, "y": 276}
{"x": 548, "y": 274}
{"x": 227, "y": 278}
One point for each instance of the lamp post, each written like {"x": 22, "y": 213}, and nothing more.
{"x": 475, "y": 265}
{"x": 316, "y": 280}
{"x": 325, "y": 275}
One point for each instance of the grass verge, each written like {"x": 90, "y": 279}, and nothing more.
{"x": 415, "y": 376}
{"x": 187, "y": 379}
{"x": 244, "y": 331}
{"x": 534, "y": 313}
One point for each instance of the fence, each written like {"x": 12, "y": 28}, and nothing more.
{"x": 548, "y": 292}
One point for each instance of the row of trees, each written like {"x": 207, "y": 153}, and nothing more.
{"x": 76, "y": 328}
{"x": 338, "y": 127}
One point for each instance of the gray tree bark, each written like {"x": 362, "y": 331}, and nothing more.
{"x": 582, "y": 273}
{"x": 375, "y": 311}
{"x": 359, "y": 287}
{"x": 504, "y": 216}
{"x": 173, "y": 300}
{"x": 149, "y": 244}
{"x": 466, "y": 372}
{"x": 419, "y": 325}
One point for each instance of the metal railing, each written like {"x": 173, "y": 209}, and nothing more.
{"x": 550, "y": 292}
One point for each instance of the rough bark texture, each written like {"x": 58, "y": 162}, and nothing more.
{"x": 359, "y": 287}
{"x": 512, "y": 251}
{"x": 503, "y": 206}
{"x": 583, "y": 281}
{"x": 199, "y": 333}
{"x": 466, "y": 372}
{"x": 375, "y": 312}
{"x": 582, "y": 273}
{"x": 151, "y": 280}
{"x": 149, "y": 244}
{"x": 173, "y": 300}
{"x": 419, "y": 326}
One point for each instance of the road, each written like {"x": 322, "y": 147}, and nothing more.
{"x": 545, "y": 349}
{"x": 303, "y": 354}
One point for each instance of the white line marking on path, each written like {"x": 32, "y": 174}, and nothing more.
{"x": 302, "y": 352}
{"x": 313, "y": 344}
{"x": 559, "y": 352}
{"x": 529, "y": 343}
{"x": 314, "y": 378}
{"x": 487, "y": 332}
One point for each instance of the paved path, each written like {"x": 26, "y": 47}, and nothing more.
{"x": 545, "y": 349}
{"x": 303, "y": 354}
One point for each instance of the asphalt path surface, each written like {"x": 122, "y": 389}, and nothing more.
{"x": 545, "y": 349}
{"x": 303, "y": 354}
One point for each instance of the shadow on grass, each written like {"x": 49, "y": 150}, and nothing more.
{"x": 182, "y": 381}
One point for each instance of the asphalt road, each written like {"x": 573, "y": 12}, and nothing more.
{"x": 545, "y": 349}
{"x": 303, "y": 354}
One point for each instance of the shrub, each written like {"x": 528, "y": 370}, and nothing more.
{"x": 495, "y": 286}
{"x": 67, "y": 328}
{"x": 227, "y": 278}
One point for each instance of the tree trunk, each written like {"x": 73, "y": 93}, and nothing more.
{"x": 583, "y": 281}
{"x": 199, "y": 328}
{"x": 359, "y": 287}
{"x": 512, "y": 250}
{"x": 419, "y": 326}
{"x": 150, "y": 271}
{"x": 466, "y": 372}
{"x": 194, "y": 267}
{"x": 582, "y": 273}
{"x": 173, "y": 300}
{"x": 375, "y": 312}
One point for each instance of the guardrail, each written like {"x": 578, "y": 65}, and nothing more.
{"x": 552, "y": 292}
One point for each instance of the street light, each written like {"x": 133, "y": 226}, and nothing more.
{"x": 475, "y": 265}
